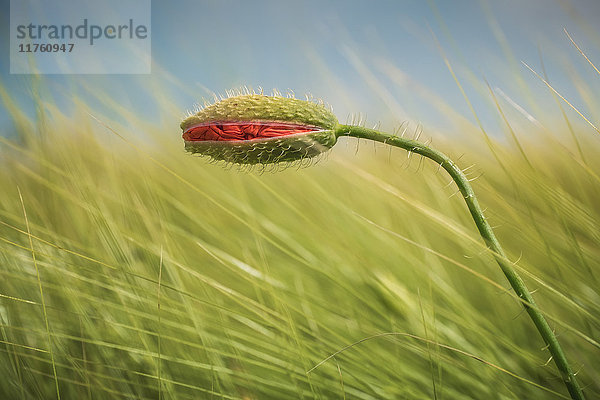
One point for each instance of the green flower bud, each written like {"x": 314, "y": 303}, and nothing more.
{"x": 259, "y": 129}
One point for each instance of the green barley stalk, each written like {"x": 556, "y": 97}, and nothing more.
{"x": 254, "y": 129}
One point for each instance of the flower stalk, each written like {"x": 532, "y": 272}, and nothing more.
{"x": 485, "y": 230}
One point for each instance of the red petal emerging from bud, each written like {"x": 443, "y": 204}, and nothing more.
{"x": 224, "y": 131}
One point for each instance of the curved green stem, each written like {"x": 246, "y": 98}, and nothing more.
{"x": 488, "y": 236}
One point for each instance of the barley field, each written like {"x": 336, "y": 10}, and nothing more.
{"x": 132, "y": 269}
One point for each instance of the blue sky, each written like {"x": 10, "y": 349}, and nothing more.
{"x": 382, "y": 58}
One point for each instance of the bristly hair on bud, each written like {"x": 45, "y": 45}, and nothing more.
{"x": 249, "y": 128}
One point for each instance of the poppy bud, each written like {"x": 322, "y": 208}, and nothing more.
{"x": 259, "y": 129}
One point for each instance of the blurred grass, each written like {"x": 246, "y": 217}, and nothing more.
{"x": 165, "y": 276}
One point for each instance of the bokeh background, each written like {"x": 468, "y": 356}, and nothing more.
{"x": 130, "y": 269}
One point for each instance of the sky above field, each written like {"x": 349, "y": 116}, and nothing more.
{"x": 385, "y": 59}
